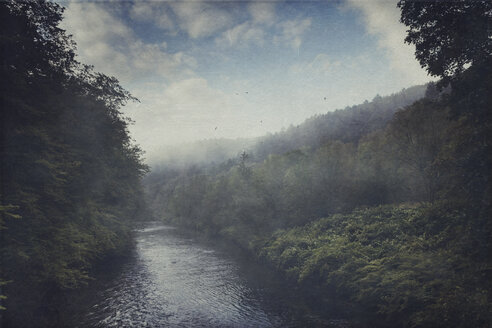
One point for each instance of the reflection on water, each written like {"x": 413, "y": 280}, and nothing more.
{"x": 175, "y": 281}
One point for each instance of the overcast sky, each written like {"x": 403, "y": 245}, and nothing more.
{"x": 241, "y": 68}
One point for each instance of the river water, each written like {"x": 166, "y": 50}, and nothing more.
{"x": 172, "y": 280}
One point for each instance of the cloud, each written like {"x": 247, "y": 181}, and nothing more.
{"x": 91, "y": 23}
{"x": 252, "y": 31}
{"x": 381, "y": 19}
{"x": 291, "y": 32}
{"x": 242, "y": 34}
{"x": 186, "y": 111}
{"x": 179, "y": 106}
{"x": 107, "y": 43}
{"x": 201, "y": 19}
{"x": 194, "y": 96}
{"x": 153, "y": 11}
{"x": 320, "y": 65}
{"x": 262, "y": 12}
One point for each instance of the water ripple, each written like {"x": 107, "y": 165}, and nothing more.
{"x": 176, "y": 282}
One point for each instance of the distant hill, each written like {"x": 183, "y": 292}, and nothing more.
{"x": 347, "y": 125}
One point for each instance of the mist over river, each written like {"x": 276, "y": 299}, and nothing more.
{"x": 172, "y": 280}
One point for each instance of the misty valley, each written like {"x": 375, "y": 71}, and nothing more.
{"x": 217, "y": 185}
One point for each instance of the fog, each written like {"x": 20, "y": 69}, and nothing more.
{"x": 214, "y": 70}
{"x": 348, "y": 124}
{"x": 245, "y": 163}
{"x": 200, "y": 153}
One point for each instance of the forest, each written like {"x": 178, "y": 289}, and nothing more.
{"x": 70, "y": 175}
{"x": 384, "y": 206}
{"x": 382, "y": 209}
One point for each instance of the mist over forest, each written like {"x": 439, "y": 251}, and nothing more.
{"x": 265, "y": 201}
{"x": 348, "y": 124}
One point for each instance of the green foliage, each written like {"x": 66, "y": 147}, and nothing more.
{"x": 395, "y": 261}
{"x": 418, "y": 135}
{"x": 448, "y": 35}
{"x": 68, "y": 164}
{"x": 347, "y": 125}
{"x": 7, "y": 212}
{"x": 400, "y": 163}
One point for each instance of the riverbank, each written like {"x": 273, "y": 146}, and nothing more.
{"x": 313, "y": 301}
{"x": 307, "y": 303}
{"x": 174, "y": 280}
{"x": 387, "y": 266}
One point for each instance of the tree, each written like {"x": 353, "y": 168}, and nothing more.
{"x": 449, "y": 36}
{"x": 67, "y": 164}
{"x": 453, "y": 42}
{"x": 243, "y": 168}
{"x": 417, "y": 135}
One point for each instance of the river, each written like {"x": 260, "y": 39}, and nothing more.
{"x": 172, "y": 280}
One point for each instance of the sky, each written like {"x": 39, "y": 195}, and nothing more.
{"x": 229, "y": 69}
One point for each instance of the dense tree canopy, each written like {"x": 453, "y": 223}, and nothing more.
{"x": 449, "y": 36}
{"x": 69, "y": 175}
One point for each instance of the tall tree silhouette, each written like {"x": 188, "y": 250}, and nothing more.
{"x": 69, "y": 175}
{"x": 449, "y": 36}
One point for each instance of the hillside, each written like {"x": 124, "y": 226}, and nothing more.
{"x": 346, "y": 125}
